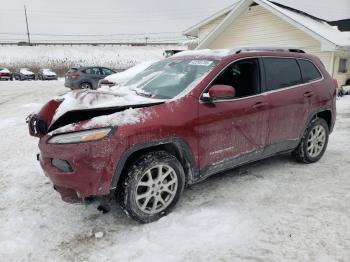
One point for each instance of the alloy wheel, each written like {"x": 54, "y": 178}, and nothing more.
{"x": 156, "y": 189}
{"x": 316, "y": 140}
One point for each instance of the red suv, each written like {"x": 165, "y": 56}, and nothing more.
{"x": 181, "y": 120}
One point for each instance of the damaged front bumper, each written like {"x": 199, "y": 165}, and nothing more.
{"x": 80, "y": 170}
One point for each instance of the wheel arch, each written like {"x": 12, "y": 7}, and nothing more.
{"x": 326, "y": 115}
{"x": 176, "y": 146}
{"x": 85, "y": 81}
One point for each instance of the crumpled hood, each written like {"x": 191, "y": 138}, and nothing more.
{"x": 83, "y": 105}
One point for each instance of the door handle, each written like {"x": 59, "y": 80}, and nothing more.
{"x": 308, "y": 94}
{"x": 258, "y": 105}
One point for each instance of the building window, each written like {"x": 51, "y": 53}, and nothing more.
{"x": 343, "y": 65}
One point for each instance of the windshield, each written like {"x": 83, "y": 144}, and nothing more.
{"x": 168, "y": 78}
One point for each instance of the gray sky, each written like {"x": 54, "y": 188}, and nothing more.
{"x": 112, "y": 19}
{"x": 128, "y": 20}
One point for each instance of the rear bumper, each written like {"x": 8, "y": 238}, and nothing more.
{"x": 92, "y": 168}
{"x": 50, "y": 77}
{"x": 71, "y": 85}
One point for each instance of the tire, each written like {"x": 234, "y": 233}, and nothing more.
{"x": 143, "y": 196}
{"x": 313, "y": 143}
{"x": 85, "y": 85}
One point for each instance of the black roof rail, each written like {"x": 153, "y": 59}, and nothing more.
{"x": 272, "y": 49}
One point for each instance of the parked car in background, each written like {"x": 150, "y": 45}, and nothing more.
{"x": 24, "y": 74}
{"x": 5, "y": 74}
{"x": 46, "y": 74}
{"x": 182, "y": 120}
{"x": 86, "y": 77}
{"x": 122, "y": 77}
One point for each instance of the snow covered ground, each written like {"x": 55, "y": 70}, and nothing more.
{"x": 273, "y": 210}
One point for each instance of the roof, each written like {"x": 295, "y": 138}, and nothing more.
{"x": 318, "y": 9}
{"x": 193, "y": 30}
{"x": 311, "y": 25}
{"x": 340, "y": 9}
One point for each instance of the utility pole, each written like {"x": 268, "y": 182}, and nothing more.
{"x": 25, "y": 13}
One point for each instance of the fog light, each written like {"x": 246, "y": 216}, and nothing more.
{"x": 62, "y": 165}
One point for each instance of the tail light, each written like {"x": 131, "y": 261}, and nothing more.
{"x": 73, "y": 75}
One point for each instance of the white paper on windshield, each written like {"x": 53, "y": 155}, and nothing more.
{"x": 201, "y": 62}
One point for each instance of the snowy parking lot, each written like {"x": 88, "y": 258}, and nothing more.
{"x": 272, "y": 210}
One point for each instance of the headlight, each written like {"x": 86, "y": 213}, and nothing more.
{"x": 81, "y": 136}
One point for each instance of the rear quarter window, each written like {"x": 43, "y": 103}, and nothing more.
{"x": 281, "y": 73}
{"x": 309, "y": 71}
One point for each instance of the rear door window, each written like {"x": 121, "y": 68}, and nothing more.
{"x": 281, "y": 73}
{"x": 309, "y": 71}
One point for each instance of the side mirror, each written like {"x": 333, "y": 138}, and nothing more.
{"x": 219, "y": 92}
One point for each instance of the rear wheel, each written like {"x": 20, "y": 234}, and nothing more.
{"x": 314, "y": 142}
{"x": 85, "y": 85}
{"x": 152, "y": 186}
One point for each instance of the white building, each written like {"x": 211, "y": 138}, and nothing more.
{"x": 264, "y": 23}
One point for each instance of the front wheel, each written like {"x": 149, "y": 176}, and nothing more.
{"x": 314, "y": 142}
{"x": 152, "y": 187}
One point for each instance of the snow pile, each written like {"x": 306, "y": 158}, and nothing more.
{"x": 126, "y": 75}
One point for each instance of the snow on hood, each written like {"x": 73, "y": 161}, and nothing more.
{"x": 101, "y": 98}
{"x": 48, "y": 72}
{"x": 5, "y": 70}
{"x": 128, "y": 116}
{"x": 126, "y": 75}
{"x": 25, "y": 71}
